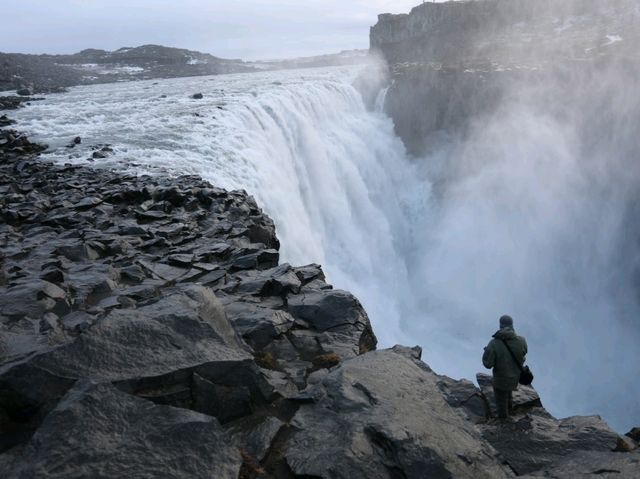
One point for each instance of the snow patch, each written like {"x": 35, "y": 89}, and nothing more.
{"x": 611, "y": 39}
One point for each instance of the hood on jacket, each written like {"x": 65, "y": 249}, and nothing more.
{"x": 505, "y": 334}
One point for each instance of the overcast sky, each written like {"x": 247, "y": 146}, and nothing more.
{"x": 248, "y": 29}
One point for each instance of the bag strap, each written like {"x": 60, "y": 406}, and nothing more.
{"x": 512, "y": 355}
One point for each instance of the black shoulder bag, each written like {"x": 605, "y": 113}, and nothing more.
{"x": 526, "y": 376}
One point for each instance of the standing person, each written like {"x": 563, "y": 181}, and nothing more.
{"x": 506, "y": 372}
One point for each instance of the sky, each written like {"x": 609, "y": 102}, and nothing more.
{"x": 247, "y": 29}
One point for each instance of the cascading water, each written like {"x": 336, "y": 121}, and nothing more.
{"x": 431, "y": 269}
{"x": 380, "y": 99}
{"x": 333, "y": 175}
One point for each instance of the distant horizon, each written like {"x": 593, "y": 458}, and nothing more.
{"x": 190, "y": 49}
{"x": 251, "y": 30}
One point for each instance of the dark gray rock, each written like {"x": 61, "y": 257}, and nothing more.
{"x": 31, "y": 299}
{"x": 524, "y": 398}
{"x": 465, "y": 397}
{"x": 88, "y": 203}
{"x": 78, "y": 321}
{"x": 78, "y": 252}
{"x": 102, "y": 280}
{"x": 257, "y": 325}
{"x": 133, "y": 273}
{"x": 182, "y": 260}
{"x": 91, "y": 282}
{"x": 338, "y": 314}
{"x": 263, "y": 259}
{"x": 392, "y": 422}
{"x": 73, "y": 143}
{"x": 634, "y": 434}
{"x": 589, "y": 464}
{"x": 99, "y": 432}
{"x": 186, "y": 328}
{"x": 309, "y": 273}
{"x": 254, "y": 436}
{"x": 163, "y": 271}
{"x": 277, "y": 281}
{"x": 536, "y": 441}
{"x": 197, "y": 96}
{"x": 327, "y": 310}
{"x": 53, "y": 275}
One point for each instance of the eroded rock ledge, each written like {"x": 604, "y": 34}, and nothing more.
{"x": 147, "y": 330}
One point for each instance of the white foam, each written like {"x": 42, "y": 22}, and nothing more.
{"x": 331, "y": 174}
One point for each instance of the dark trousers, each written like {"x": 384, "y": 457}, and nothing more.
{"x": 503, "y": 402}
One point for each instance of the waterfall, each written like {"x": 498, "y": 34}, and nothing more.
{"x": 334, "y": 176}
{"x": 520, "y": 232}
{"x": 380, "y": 99}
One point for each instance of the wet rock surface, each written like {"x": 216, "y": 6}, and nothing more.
{"x": 147, "y": 329}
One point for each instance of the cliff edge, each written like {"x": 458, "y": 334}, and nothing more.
{"x": 147, "y": 329}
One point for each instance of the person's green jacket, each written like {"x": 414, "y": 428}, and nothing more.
{"x": 505, "y": 371}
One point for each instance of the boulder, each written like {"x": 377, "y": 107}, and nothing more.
{"x": 197, "y": 96}
{"x": 588, "y": 464}
{"x": 465, "y": 397}
{"x": 257, "y": 325}
{"x": 278, "y": 281}
{"x": 254, "y": 436}
{"x": 536, "y": 441}
{"x": 339, "y": 315}
{"x": 184, "y": 329}
{"x": 31, "y": 298}
{"x": 524, "y": 398}
{"x": 97, "y": 431}
{"x": 381, "y": 415}
{"x": 634, "y": 434}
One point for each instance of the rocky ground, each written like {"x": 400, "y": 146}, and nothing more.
{"x": 50, "y": 73}
{"x": 147, "y": 329}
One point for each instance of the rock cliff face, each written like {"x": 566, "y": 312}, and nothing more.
{"x": 147, "y": 329}
{"x": 455, "y": 62}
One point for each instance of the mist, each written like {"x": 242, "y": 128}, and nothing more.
{"x": 524, "y": 202}
{"x": 534, "y": 213}
{"x": 246, "y": 29}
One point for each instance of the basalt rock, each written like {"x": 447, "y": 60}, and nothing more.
{"x": 393, "y": 422}
{"x": 147, "y": 329}
{"x": 98, "y": 431}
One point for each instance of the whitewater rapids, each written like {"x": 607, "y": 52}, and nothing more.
{"x": 343, "y": 193}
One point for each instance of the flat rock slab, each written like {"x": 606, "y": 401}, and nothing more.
{"x": 536, "y": 441}
{"x": 589, "y": 465}
{"x": 524, "y": 398}
{"x": 382, "y": 415}
{"x": 97, "y": 431}
{"x": 171, "y": 334}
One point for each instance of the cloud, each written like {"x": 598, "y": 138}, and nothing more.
{"x": 245, "y": 28}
